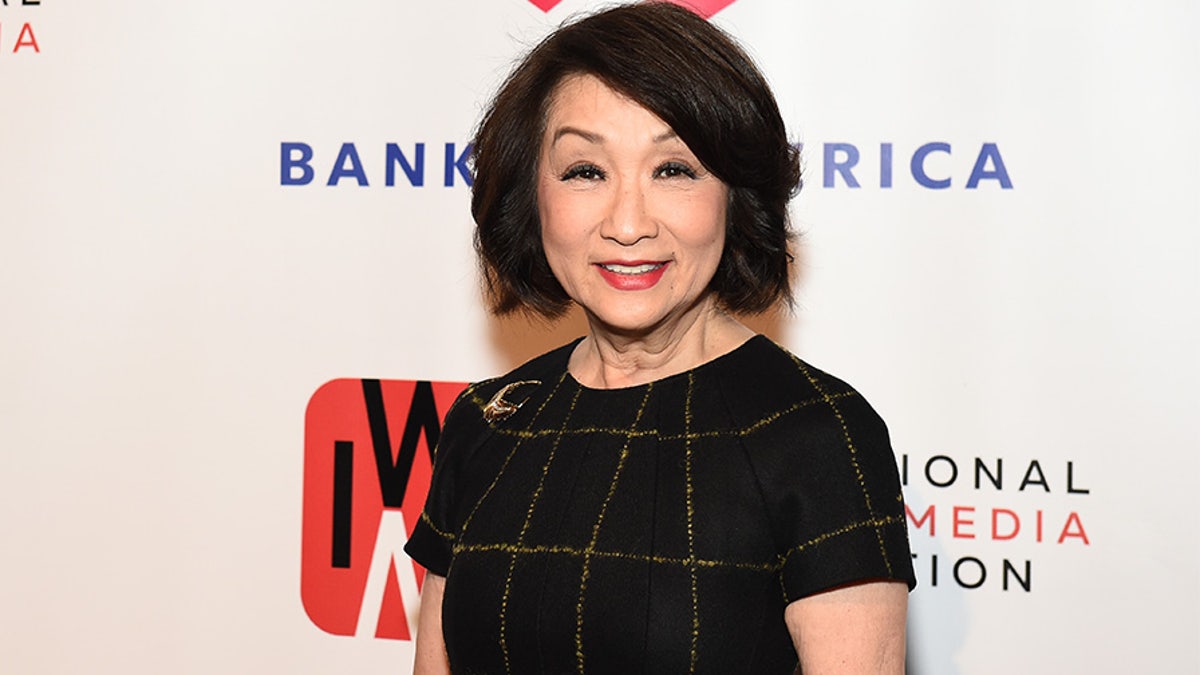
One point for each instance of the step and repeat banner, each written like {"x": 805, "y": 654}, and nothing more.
{"x": 237, "y": 296}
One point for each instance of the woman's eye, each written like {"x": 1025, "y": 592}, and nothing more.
{"x": 583, "y": 171}
{"x": 674, "y": 170}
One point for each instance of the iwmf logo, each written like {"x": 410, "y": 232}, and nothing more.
{"x": 363, "y": 492}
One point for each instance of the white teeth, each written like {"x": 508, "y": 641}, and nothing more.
{"x": 632, "y": 269}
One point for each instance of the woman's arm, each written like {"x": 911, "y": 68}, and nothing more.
{"x": 431, "y": 656}
{"x": 850, "y": 630}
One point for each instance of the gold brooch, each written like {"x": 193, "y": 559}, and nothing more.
{"x": 498, "y": 408}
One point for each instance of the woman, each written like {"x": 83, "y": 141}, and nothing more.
{"x": 670, "y": 493}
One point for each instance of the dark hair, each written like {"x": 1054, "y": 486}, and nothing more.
{"x": 695, "y": 78}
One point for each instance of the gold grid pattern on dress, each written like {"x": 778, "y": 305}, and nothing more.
{"x": 591, "y": 547}
{"x": 690, "y": 492}
{"x": 512, "y": 453}
{"x": 827, "y": 398}
{"x": 691, "y": 562}
{"x": 850, "y": 447}
{"x": 533, "y": 501}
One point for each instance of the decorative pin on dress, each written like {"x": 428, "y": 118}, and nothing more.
{"x": 499, "y": 408}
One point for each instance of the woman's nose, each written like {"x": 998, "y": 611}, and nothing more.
{"x": 628, "y": 220}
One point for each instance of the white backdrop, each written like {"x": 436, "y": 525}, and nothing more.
{"x": 169, "y": 305}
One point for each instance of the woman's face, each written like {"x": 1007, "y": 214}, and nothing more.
{"x": 632, "y": 224}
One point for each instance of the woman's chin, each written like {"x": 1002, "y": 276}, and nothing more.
{"x": 631, "y": 324}
{"x": 642, "y": 320}
{"x": 623, "y": 320}
{"x": 625, "y": 326}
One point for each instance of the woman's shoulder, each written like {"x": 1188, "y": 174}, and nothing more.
{"x": 767, "y": 383}
{"x": 764, "y": 365}
{"x": 478, "y": 396}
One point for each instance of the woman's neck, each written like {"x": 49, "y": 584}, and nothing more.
{"x": 609, "y": 359}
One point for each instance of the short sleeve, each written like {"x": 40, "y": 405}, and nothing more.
{"x": 842, "y": 513}
{"x": 828, "y": 480}
{"x": 432, "y": 540}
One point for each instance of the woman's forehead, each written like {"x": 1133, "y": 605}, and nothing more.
{"x": 583, "y": 106}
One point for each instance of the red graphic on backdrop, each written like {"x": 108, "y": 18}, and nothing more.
{"x": 705, "y": 8}
{"x": 25, "y": 41}
{"x": 367, "y": 465}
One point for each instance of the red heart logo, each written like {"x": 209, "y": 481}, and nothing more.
{"x": 705, "y": 8}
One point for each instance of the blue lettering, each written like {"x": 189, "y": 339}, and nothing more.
{"x": 288, "y": 162}
{"x": 296, "y": 165}
{"x": 459, "y": 165}
{"x": 415, "y": 172}
{"x": 980, "y": 172}
{"x": 348, "y": 155}
{"x": 832, "y": 164}
{"x": 885, "y": 165}
{"x": 918, "y": 166}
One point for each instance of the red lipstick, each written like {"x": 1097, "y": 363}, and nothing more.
{"x": 632, "y": 275}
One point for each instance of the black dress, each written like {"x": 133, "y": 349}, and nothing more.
{"x": 660, "y": 528}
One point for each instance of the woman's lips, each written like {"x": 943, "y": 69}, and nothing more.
{"x": 632, "y": 275}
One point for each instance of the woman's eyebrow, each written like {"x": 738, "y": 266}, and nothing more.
{"x": 585, "y": 135}
{"x": 592, "y": 137}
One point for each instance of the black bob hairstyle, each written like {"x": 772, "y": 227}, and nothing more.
{"x": 695, "y": 78}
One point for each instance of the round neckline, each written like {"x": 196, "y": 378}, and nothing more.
{"x": 757, "y": 337}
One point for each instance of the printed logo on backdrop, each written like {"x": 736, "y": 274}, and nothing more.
{"x": 933, "y": 165}
{"x": 984, "y": 522}
{"x": 18, "y": 33}
{"x": 705, "y": 8}
{"x": 367, "y": 464}
{"x": 411, "y": 163}
{"x": 398, "y": 165}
